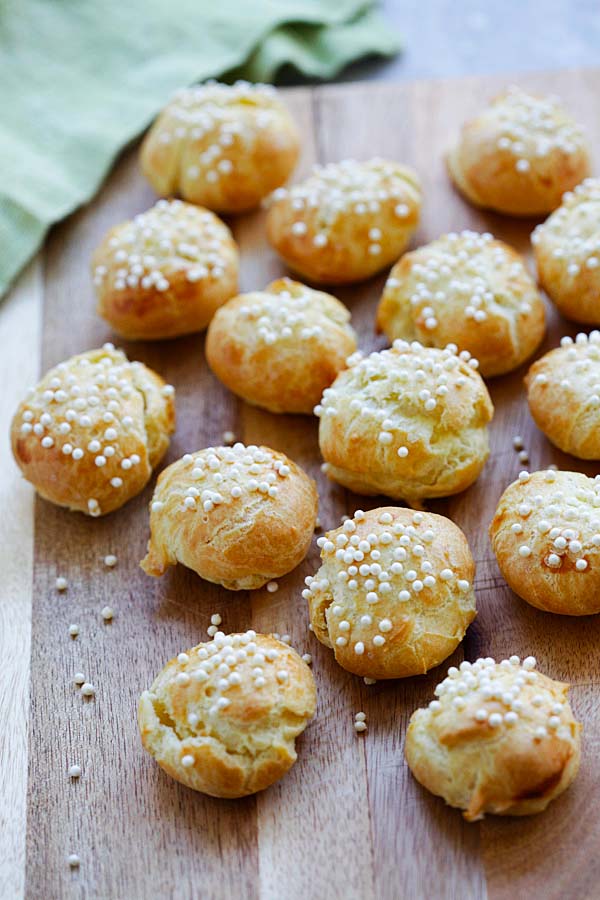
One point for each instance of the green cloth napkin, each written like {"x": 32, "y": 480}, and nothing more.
{"x": 80, "y": 78}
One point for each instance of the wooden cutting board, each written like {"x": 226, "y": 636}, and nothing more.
{"x": 348, "y": 821}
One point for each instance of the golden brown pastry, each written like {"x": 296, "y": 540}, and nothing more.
{"x": 500, "y": 738}
{"x": 347, "y": 221}
{"x": 281, "y": 347}
{"x": 410, "y": 422}
{"x": 223, "y": 717}
{"x": 221, "y": 146}
{"x": 238, "y": 516}
{"x": 563, "y": 390}
{"x": 519, "y": 155}
{"x": 90, "y": 433}
{"x": 394, "y": 594}
{"x": 165, "y": 272}
{"x": 567, "y": 253}
{"x": 470, "y": 290}
{"x": 546, "y": 537}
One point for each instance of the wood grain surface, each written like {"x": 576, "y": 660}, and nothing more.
{"x": 348, "y": 821}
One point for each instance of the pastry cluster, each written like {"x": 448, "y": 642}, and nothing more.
{"x": 410, "y": 422}
{"x": 347, "y": 221}
{"x": 499, "y": 738}
{"x": 221, "y": 146}
{"x": 222, "y": 717}
{"x": 394, "y": 594}
{"x": 519, "y": 155}
{"x": 465, "y": 289}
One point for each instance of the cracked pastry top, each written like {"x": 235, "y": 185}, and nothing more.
{"x": 222, "y": 718}
{"x": 394, "y": 594}
{"x": 165, "y": 272}
{"x": 346, "y": 221}
{"x": 498, "y": 738}
{"x": 519, "y": 155}
{"x": 238, "y": 516}
{"x": 221, "y": 146}
{"x": 90, "y": 433}
{"x": 409, "y": 422}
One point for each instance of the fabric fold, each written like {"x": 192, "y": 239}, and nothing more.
{"x": 81, "y": 78}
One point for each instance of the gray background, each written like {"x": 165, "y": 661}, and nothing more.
{"x": 442, "y": 38}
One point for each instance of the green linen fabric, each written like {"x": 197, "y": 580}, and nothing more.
{"x": 79, "y": 79}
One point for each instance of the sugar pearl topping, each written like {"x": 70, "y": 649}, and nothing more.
{"x": 530, "y": 128}
{"x": 215, "y": 678}
{"x": 378, "y": 580}
{"x": 92, "y": 407}
{"x": 372, "y": 189}
{"x": 496, "y": 697}
{"x": 466, "y": 276}
{"x": 556, "y": 517}
{"x": 218, "y": 122}
{"x": 571, "y": 235}
{"x": 287, "y": 312}
{"x": 201, "y": 482}
{"x": 170, "y": 241}
{"x": 391, "y": 391}
{"x": 571, "y": 373}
